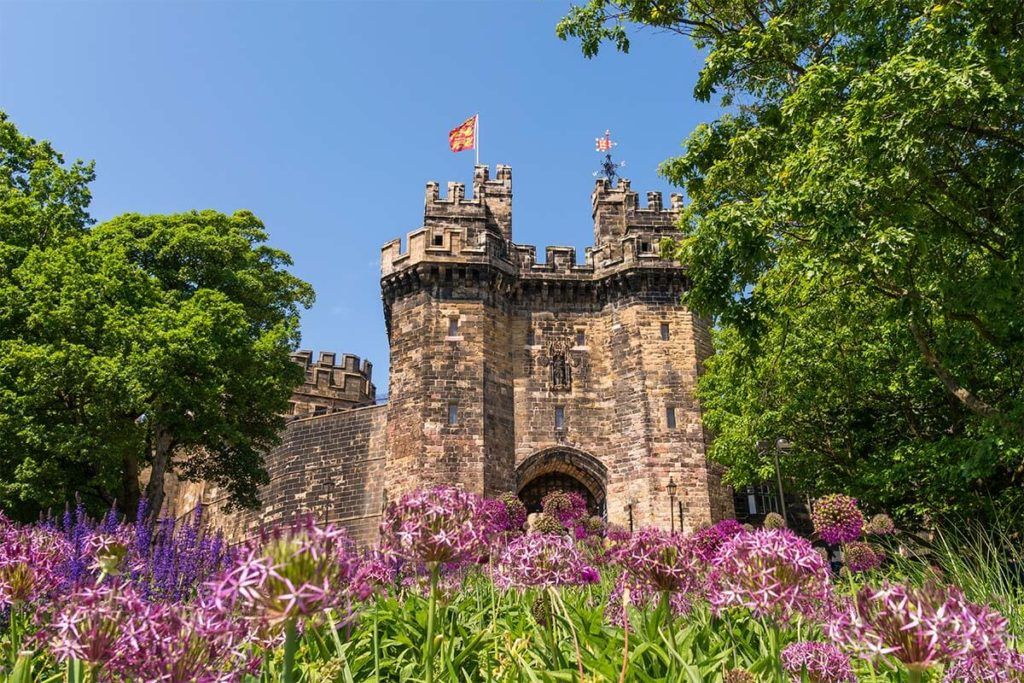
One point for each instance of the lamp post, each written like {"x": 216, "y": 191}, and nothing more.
{"x": 672, "y": 503}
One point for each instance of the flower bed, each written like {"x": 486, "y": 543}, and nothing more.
{"x": 457, "y": 591}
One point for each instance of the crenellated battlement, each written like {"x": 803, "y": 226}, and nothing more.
{"x": 332, "y": 383}
{"x": 488, "y": 210}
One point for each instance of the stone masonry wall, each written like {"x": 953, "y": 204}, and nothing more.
{"x": 331, "y": 466}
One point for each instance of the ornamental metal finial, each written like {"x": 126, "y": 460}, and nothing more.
{"x": 608, "y": 167}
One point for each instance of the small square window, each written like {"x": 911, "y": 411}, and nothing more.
{"x": 664, "y": 332}
{"x": 559, "y": 417}
{"x": 453, "y": 413}
{"x": 453, "y": 326}
{"x": 670, "y": 417}
{"x": 645, "y": 247}
{"x": 531, "y": 337}
{"x": 581, "y": 338}
{"x": 438, "y": 240}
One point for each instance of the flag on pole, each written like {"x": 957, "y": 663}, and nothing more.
{"x": 464, "y": 136}
{"x": 604, "y": 144}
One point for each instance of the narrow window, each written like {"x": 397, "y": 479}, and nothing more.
{"x": 559, "y": 417}
{"x": 664, "y": 332}
{"x": 531, "y": 337}
{"x": 453, "y": 413}
{"x": 453, "y": 326}
{"x": 581, "y": 338}
{"x": 438, "y": 240}
{"x": 670, "y": 417}
{"x": 645, "y": 247}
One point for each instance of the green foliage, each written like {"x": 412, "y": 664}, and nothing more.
{"x": 143, "y": 337}
{"x": 856, "y": 230}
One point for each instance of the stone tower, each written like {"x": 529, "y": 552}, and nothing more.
{"x": 508, "y": 374}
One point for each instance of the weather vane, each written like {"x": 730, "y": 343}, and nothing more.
{"x": 608, "y": 167}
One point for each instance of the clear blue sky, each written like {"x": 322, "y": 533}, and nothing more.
{"x": 327, "y": 119}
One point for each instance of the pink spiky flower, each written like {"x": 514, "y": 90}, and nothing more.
{"x": 820, "y": 662}
{"x": 659, "y": 561}
{"x": 917, "y": 627}
{"x": 542, "y": 561}
{"x": 706, "y": 542}
{"x": 439, "y": 526}
{"x": 298, "y": 571}
{"x": 771, "y": 572}
{"x": 862, "y": 557}
{"x": 31, "y": 559}
{"x": 837, "y": 519}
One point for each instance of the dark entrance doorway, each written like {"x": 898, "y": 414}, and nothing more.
{"x": 534, "y": 492}
{"x": 562, "y": 469}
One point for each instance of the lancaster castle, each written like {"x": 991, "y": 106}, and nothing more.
{"x": 509, "y": 374}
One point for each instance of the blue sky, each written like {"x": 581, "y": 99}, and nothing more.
{"x": 327, "y": 119}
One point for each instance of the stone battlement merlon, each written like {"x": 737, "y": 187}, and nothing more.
{"x": 489, "y": 209}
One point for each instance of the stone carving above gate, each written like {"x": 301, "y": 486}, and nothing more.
{"x": 561, "y": 362}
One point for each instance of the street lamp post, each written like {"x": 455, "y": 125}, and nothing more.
{"x": 672, "y": 503}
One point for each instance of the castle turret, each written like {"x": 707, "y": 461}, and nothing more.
{"x": 622, "y": 229}
{"x": 332, "y": 384}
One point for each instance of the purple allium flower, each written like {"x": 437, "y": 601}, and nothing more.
{"x": 659, "y": 561}
{"x": 880, "y": 525}
{"x": 32, "y": 564}
{"x": 377, "y": 572}
{"x": 706, "y": 542}
{"x": 299, "y": 571}
{"x": 837, "y": 519}
{"x": 194, "y": 644}
{"x": 918, "y": 627}
{"x": 997, "y": 665}
{"x": 103, "y": 625}
{"x": 515, "y": 509}
{"x": 772, "y": 572}
{"x": 821, "y": 662}
{"x": 862, "y": 557}
{"x": 544, "y": 523}
{"x": 439, "y": 526}
{"x": 568, "y": 508}
{"x": 542, "y": 561}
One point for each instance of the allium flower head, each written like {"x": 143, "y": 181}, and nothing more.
{"x": 706, "y": 541}
{"x": 661, "y": 561}
{"x": 999, "y": 664}
{"x": 544, "y": 523}
{"x": 861, "y": 557}
{"x": 32, "y": 563}
{"x": 738, "y": 676}
{"x": 820, "y": 662}
{"x": 772, "y": 572}
{"x": 773, "y": 520}
{"x": 103, "y": 625}
{"x": 515, "y": 509}
{"x": 542, "y": 561}
{"x": 438, "y": 526}
{"x": 880, "y": 525}
{"x": 568, "y": 508}
{"x": 918, "y": 627}
{"x": 300, "y": 570}
{"x": 837, "y": 519}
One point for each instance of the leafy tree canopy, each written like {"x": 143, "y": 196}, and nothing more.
{"x": 855, "y": 225}
{"x": 158, "y": 341}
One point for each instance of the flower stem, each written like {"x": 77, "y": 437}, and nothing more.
{"x": 431, "y": 609}
{"x": 915, "y": 676}
{"x": 291, "y": 645}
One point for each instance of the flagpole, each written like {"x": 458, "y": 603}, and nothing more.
{"x": 476, "y": 136}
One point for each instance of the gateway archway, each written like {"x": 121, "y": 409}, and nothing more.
{"x": 564, "y": 469}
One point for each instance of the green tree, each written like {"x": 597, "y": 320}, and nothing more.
{"x": 855, "y": 225}
{"x": 147, "y": 341}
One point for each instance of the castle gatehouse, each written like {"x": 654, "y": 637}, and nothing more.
{"x": 508, "y": 374}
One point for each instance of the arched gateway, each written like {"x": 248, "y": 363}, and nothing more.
{"x": 563, "y": 469}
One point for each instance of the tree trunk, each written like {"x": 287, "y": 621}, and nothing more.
{"x": 128, "y": 498}
{"x": 162, "y": 446}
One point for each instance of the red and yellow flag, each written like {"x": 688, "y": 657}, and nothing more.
{"x": 464, "y": 136}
